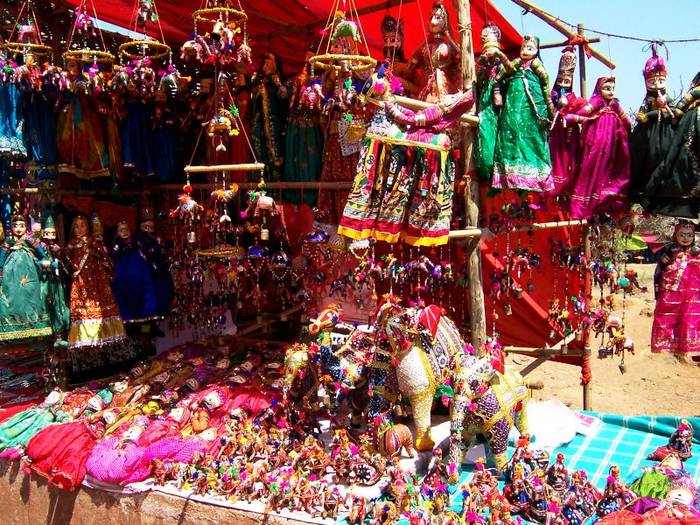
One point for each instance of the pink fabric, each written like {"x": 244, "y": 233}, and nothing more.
{"x": 601, "y": 186}
{"x": 565, "y": 146}
{"x": 676, "y": 325}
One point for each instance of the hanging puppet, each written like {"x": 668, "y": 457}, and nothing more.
{"x": 393, "y": 38}
{"x": 601, "y": 185}
{"x": 521, "y": 153}
{"x": 269, "y": 116}
{"x": 676, "y": 325}
{"x": 55, "y": 274}
{"x": 154, "y": 252}
{"x": 304, "y": 143}
{"x": 409, "y": 193}
{"x": 23, "y": 291}
{"x": 653, "y": 133}
{"x": 488, "y": 65}
{"x": 676, "y": 180}
{"x": 96, "y": 336}
{"x": 437, "y": 58}
{"x": 565, "y": 137}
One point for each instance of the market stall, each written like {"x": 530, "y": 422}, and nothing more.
{"x": 272, "y": 257}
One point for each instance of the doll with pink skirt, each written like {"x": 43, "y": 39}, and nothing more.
{"x": 604, "y": 173}
{"x": 676, "y": 325}
{"x": 564, "y": 137}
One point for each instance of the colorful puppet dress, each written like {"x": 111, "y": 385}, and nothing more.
{"x": 521, "y": 153}
{"x": 164, "y": 143}
{"x": 676, "y": 326}
{"x": 133, "y": 286}
{"x": 152, "y": 250}
{"x": 601, "y": 185}
{"x": 488, "y": 120}
{"x": 269, "y": 117}
{"x": 137, "y": 138}
{"x": 565, "y": 143}
{"x": 12, "y": 125}
{"x": 23, "y": 292}
{"x": 677, "y": 179}
{"x": 81, "y": 143}
{"x": 41, "y": 131}
{"x": 649, "y": 144}
{"x": 95, "y": 322}
{"x": 403, "y": 187}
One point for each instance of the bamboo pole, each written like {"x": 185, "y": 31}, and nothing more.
{"x": 412, "y": 103}
{"x": 253, "y": 166}
{"x": 477, "y": 311}
{"x": 562, "y": 28}
{"x": 480, "y": 232}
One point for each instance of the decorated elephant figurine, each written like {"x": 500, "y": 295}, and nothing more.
{"x": 486, "y": 402}
{"x": 413, "y": 356}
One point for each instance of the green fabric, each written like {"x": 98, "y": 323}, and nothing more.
{"x": 488, "y": 126}
{"x": 23, "y": 305}
{"x": 521, "y": 153}
{"x": 20, "y": 428}
{"x": 634, "y": 243}
{"x": 652, "y": 484}
{"x": 304, "y": 146}
{"x": 59, "y": 312}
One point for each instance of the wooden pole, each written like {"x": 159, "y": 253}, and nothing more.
{"x": 477, "y": 316}
{"x": 587, "y": 351}
{"x": 562, "y": 28}
{"x": 549, "y": 45}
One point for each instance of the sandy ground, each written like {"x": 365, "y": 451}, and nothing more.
{"x": 654, "y": 384}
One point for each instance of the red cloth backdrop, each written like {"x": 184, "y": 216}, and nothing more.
{"x": 266, "y": 20}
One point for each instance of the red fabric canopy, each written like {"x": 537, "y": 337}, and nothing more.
{"x": 268, "y": 21}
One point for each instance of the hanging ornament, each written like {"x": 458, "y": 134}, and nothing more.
{"x": 25, "y": 38}
{"x": 145, "y": 15}
{"x": 220, "y": 34}
{"x": 81, "y": 45}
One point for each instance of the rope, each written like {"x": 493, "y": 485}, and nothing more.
{"x": 425, "y": 38}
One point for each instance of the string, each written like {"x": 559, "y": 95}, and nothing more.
{"x": 396, "y": 35}
{"x": 99, "y": 30}
{"x": 242, "y": 127}
{"x": 425, "y": 37}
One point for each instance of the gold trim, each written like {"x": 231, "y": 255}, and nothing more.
{"x": 161, "y": 50}
{"x": 325, "y": 61}
{"x": 23, "y": 334}
{"x": 35, "y": 49}
{"x": 95, "y": 56}
{"x": 406, "y": 142}
{"x": 231, "y": 15}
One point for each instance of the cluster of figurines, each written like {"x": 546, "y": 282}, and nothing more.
{"x": 127, "y": 283}
{"x": 584, "y": 151}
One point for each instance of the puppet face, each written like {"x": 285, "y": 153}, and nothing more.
{"x": 49, "y": 234}
{"x": 528, "y": 50}
{"x": 685, "y": 235}
{"x": 80, "y": 227}
{"x": 269, "y": 66}
{"x": 565, "y": 82}
{"x": 438, "y": 20}
{"x": 148, "y": 227}
{"x": 607, "y": 90}
{"x": 393, "y": 40}
{"x": 656, "y": 82}
{"x": 123, "y": 231}
{"x": 19, "y": 227}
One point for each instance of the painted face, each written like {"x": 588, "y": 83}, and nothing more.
{"x": 528, "y": 50}
{"x": 80, "y": 227}
{"x": 607, "y": 90}
{"x": 49, "y": 234}
{"x": 148, "y": 227}
{"x": 19, "y": 228}
{"x": 565, "y": 82}
{"x": 685, "y": 235}
{"x": 133, "y": 433}
{"x": 269, "y": 66}
{"x": 438, "y": 21}
{"x": 656, "y": 83}
{"x": 393, "y": 40}
{"x": 123, "y": 231}
{"x": 73, "y": 67}
{"x": 339, "y": 47}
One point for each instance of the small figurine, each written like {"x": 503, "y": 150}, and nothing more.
{"x": 680, "y": 443}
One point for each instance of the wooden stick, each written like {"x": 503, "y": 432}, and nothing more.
{"x": 562, "y": 28}
{"x": 477, "y": 308}
{"x": 412, "y": 103}
{"x": 253, "y": 166}
{"x": 478, "y": 232}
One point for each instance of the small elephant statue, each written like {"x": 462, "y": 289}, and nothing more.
{"x": 488, "y": 403}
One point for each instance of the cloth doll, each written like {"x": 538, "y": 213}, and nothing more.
{"x": 269, "y": 116}
{"x": 83, "y": 150}
{"x": 55, "y": 274}
{"x": 155, "y": 253}
{"x": 410, "y": 194}
{"x": 164, "y": 128}
{"x": 437, "y": 58}
{"x": 565, "y": 138}
{"x": 676, "y": 181}
{"x": 488, "y": 65}
{"x": 304, "y": 142}
{"x": 132, "y": 286}
{"x": 393, "y": 39}
{"x": 601, "y": 185}
{"x": 652, "y": 135}
{"x": 23, "y": 292}
{"x": 521, "y": 153}
{"x": 96, "y": 335}
{"x": 676, "y": 326}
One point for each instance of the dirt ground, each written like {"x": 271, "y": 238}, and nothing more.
{"x": 654, "y": 384}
